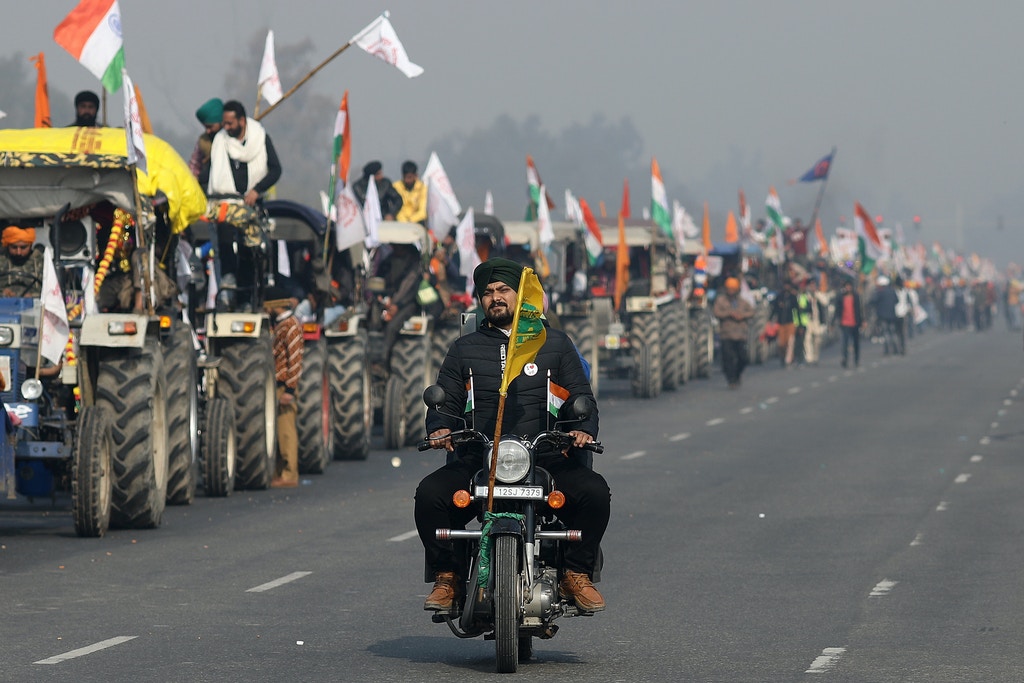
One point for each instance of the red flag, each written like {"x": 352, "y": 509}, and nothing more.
{"x": 42, "y": 93}
{"x": 624, "y": 212}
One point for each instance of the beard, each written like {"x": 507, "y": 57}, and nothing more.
{"x": 85, "y": 120}
{"x": 499, "y": 316}
{"x": 18, "y": 260}
{"x": 235, "y": 132}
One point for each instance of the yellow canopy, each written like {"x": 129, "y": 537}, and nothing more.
{"x": 52, "y": 151}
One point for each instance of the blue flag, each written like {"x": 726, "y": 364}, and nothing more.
{"x": 820, "y": 170}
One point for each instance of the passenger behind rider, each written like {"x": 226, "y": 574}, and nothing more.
{"x": 401, "y": 271}
{"x": 588, "y": 499}
{"x": 210, "y": 116}
{"x": 414, "y": 196}
{"x": 21, "y": 263}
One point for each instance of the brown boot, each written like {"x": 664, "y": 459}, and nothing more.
{"x": 442, "y": 597}
{"x": 578, "y": 586}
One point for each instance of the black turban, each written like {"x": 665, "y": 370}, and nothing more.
{"x": 87, "y": 96}
{"x": 371, "y": 169}
{"x": 497, "y": 270}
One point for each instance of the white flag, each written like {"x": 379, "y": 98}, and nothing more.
{"x": 53, "y": 335}
{"x": 547, "y": 233}
{"x": 3, "y": 114}
{"x": 465, "y": 238}
{"x": 573, "y": 213}
{"x": 381, "y": 41}
{"x": 489, "y": 203}
{"x": 440, "y": 218}
{"x": 134, "y": 141}
{"x": 348, "y": 221}
{"x": 269, "y": 83}
{"x": 372, "y": 215}
{"x": 434, "y": 176}
{"x": 284, "y": 265}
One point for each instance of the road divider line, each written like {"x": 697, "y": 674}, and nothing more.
{"x": 771, "y": 399}
{"x": 793, "y": 390}
{"x": 833, "y": 378}
{"x": 984, "y": 441}
{"x": 882, "y": 588}
{"x": 634, "y": 455}
{"x": 87, "y": 650}
{"x": 746, "y": 411}
{"x": 994, "y": 425}
{"x": 977, "y": 458}
{"x": 828, "y": 658}
{"x": 278, "y": 582}
{"x": 715, "y": 421}
{"x": 680, "y": 437}
{"x": 961, "y": 478}
{"x": 404, "y": 537}
{"x": 942, "y": 506}
{"x": 917, "y": 539}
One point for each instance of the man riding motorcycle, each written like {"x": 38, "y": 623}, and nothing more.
{"x": 481, "y": 355}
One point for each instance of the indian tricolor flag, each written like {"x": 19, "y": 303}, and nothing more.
{"x": 342, "y": 154}
{"x": 470, "y": 399}
{"x": 533, "y": 186}
{"x": 556, "y": 397}
{"x": 773, "y": 207}
{"x": 592, "y": 235}
{"x": 659, "y": 200}
{"x": 871, "y": 247}
{"x": 92, "y": 34}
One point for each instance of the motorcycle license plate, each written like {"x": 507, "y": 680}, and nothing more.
{"x": 515, "y": 492}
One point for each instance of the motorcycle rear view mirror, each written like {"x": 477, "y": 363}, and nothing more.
{"x": 434, "y": 397}
{"x": 578, "y": 410}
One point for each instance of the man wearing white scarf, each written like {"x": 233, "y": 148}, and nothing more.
{"x": 242, "y": 158}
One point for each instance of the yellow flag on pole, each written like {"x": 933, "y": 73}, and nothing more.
{"x": 528, "y": 333}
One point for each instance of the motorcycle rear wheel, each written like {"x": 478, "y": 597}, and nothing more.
{"x": 505, "y": 566}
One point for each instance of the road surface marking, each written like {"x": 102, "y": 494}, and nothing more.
{"x": 977, "y": 458}
{"x": 827, "y": 660}
{"x": 942, "y": 506}
{"x": 87, "y": 650}
{"x": 278, "y": 582}
{"x": 771, "y": 399}
{"x": 634, "y": 455}
{"x": 917, "y": 539}
{"x": 747, "y": 410}
{"x": 961, "y": 478}
{"x": 404, "y": 537}
{"x": 714, "y": 422}
{"x": 995, "y": 425}
{"x": 793, "y": 390}
{"x": 984, "y": 441}
{"x": 680, "y": 437}
{"x": 1013, "y": 392}
{"x": 882, "y": 588}
{"x": 833, "y": 378}
{"x": 1007, "y": 402}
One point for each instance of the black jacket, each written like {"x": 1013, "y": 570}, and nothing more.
{"x": 390, "y": 200}
{"x": 526, "y": 403}
{"x": 884, "y": 302}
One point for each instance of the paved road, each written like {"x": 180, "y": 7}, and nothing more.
{"x": 815, "y": 525}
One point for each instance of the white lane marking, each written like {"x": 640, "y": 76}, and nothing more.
{"x": 833, "y": 378}
{"x": 404, "y": 537}
{"x": 828, "y": 658}
{"x": 984, "y": 441}
{"x": 882, "y": 588}
{"x": 1007, "y": 402}
{"x": 715, "y": 421}
{"x": 917, "y": 539}
{"x": 977, "y": 458}
{"x": 961, "y": 478}
{"x": 634, "y": 455}
{"x": 995, "y": 425}
{"x": 88, "y": 649}
{"x": 1013, "y": 392}
{"x": 942, "y": 506}
{"x": 746, "y": 411}
{"x": 771, "y": 399}
{"x": 1001, "y": 412}
{"x": 680, "y": 437}
{"x": 278, "y": 582}
{"x": 793, "y": 390}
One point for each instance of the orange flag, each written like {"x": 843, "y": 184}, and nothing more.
{"x": 708, "y": 246}
{"x": 732, "y": 234}
{"x": 604, "y": 213}
{"x": 147, "y": 127}
{"x": 42, "y": 93}
{"x": 624, "y": 212}
{"x": 822, "y": 244}
{"x": 621, "y": 264}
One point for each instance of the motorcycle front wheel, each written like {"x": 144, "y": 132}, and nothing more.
{"x": 505, "y": 566}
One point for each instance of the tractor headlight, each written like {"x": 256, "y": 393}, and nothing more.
{"x": 513, "y": 461}
{"x": 31, "y": 389}
{"x": 6, "y": 336}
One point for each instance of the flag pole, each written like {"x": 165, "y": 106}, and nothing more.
{"x": 303, "y": 80}
{"x": 140, "y": 238}
{"x": 492, "y": 474}
{"x": 821, "y": 192}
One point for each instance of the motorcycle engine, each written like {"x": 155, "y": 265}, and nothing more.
{"x": 544, "y": 596}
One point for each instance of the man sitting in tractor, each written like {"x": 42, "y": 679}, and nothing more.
{"x": 21, "y": 265}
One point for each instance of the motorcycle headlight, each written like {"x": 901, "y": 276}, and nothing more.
{"x": 513, "y": 462}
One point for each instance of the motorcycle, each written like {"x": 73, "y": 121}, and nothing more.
{"x": 515, "y": 558}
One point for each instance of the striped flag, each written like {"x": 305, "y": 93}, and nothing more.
{"x": 871, "y": 247}
{"x": 556, "y": 397}
{"x": 342, "y": 155}
{"x": 470, "y": 398}
{"x": 92, "y": 34}
{"x": 773, "y": 207}
{"x": 533, "y": 186}
{"x": 659, "y": 200}
{"x": 592, "y": 235}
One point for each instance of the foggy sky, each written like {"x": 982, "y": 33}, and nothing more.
{"x": 920, "y": 97}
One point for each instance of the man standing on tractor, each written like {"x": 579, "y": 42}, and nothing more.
{"x": 414, "y": 196}
{"x": 87, "y": 107}
{"x": 210, "y": 115}
{"x": 390, "y": 200}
